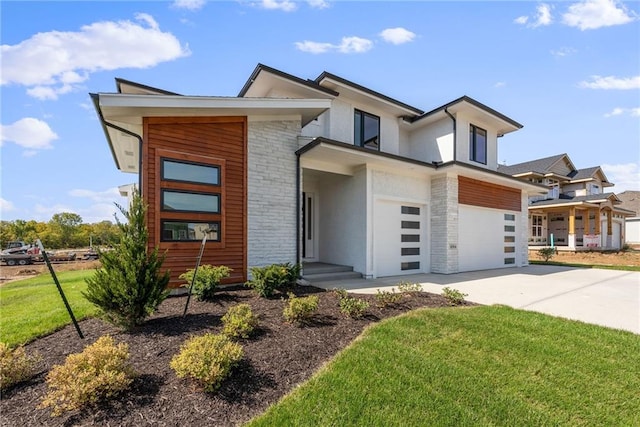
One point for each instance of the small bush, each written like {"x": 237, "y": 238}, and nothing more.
{"x": 266, "y": 280}
{"x": 408, "y": 288}
{"x": 16, "y": 366}
{"x": 353, "y": 307}
{"x": 207, "y": 280}
{"x": 300, "y": 310}
{"x": 340, "y": 293}
{"x": 207, "y": 359}
{"x": 387, "y": 298}
{"x": 454, "y": 296}
{"x": 239, "y": 321}
{"x": 546, "y": 253}
{"x": 99, "y": 372}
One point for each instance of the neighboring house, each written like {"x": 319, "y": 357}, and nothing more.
{"x": 631, "y": 202}
{"x": 576, "y": 213}
{"x": 323, "y": 170}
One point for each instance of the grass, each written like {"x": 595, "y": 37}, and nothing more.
{"x": 577, "y": 265}
{"x": 33, "y": 307}
{"x": 480, "y": 366}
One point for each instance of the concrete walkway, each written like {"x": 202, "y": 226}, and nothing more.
{"x": 603, "y": 297}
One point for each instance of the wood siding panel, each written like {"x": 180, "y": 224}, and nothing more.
{"x": 479, "y": 193}
{"x": 214, "y": 140}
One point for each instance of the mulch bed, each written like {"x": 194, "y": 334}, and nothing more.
{"x": 279, "y": 357}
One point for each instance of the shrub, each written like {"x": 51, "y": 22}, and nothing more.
{"x": 300, "y": 310}
{"x": 340, "y": 293}
{"x": 207, "y": 280}
{"x": 129, "y": 286}
{"x": 99, "y": 372}
{"x": 16, "y": 366}
{"x": 546, "y": 253}
{"x": 207, "y": 359}
{"x": 387, "y": 298}
{"x": 353, "y": 307}
{"x": 453, "y": 296}
{"x": 266, "y": 280}
{"x": 239, "y": 321}
{"x": 408, "y": 288}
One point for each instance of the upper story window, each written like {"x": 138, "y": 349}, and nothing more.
{"x": 366, "y": 130}
{"x": 594, "y": 189}
{"x": 477, "y": 144}
{"x": 174, "y": 170}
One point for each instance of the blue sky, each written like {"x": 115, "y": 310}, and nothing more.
{"x": 568, "y": 71}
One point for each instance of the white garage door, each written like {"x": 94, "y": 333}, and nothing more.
{"x": 399, "y": 238}
{"x": 616, "y": 234}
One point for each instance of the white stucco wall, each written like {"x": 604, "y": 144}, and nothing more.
{"x": 271, "y": 192}
{"x": 462, "y": 137}
{"x": 433, "y": 142}
{"x": 343, "y": 219}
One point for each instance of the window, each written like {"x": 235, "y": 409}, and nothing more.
{"x": 366, "y": 130}
{"x": 182, "y": 201}
{"x": 409, "y": 251}
{"x": 410, "y": 225}
{"x": 477, "y": 144}
{"x": 190, "y": 231}
{"x": 174, "y": 170}
{"x": 415, "y": 265}
{"x": 410, "y": 210}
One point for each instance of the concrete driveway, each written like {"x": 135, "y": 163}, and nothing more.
{"x": 603, "y": 297}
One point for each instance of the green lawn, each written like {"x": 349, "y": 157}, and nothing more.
{"x": 480, "y": 366}
{"x": 32, "y": 308}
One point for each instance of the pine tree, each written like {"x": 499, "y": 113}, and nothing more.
{"x": 129, "y": 285}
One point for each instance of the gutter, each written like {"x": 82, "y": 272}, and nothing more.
{"x": 106, "y": 124}
{"x": 298, "y": 212}
{"x": 455, "y": 132}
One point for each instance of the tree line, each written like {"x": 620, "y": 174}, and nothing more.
{"x": 64, "y": 231}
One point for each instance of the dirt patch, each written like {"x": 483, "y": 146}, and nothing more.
{"x": 278, "y": 358}
{"x": 628, "y": 258}
{"x": 18, "y": 272}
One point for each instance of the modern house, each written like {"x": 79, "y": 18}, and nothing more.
{"x": 319, "y": 170}
{"x": 576, "y": 213}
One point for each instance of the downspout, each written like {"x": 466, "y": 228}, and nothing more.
{"x": 123, "y": 130}
{"x": 298, "y": 209}
{"x": 139, "y": 138}
{"x": 455, "y": 142}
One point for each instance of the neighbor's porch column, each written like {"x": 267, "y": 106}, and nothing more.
{"x": 597, "y": 230}
{"x": 609, "y": 228}
{"x": 572, "y": 227}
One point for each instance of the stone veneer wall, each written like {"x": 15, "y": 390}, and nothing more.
{"x": 271, "y": 192}
{"x": 444, "y": 224}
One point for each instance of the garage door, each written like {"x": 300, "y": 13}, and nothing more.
{"x": 399, "y": 238}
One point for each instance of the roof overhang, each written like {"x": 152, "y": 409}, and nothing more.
{"x": 327, "y": 155}
{"x": 122, "y": 115}
{"x": 472, "y": 109}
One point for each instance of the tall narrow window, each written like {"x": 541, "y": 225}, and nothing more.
{"x": 477, "y": 144}
{"x": 366, "y": 130}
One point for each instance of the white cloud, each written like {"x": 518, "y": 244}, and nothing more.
{"x": 348, "y": 45}
{"x": 618, "y": 111}
{"x": 521, "y": 20}
{"x": 109, "y": 195}
{"x": 625, "y": 176}
{"x": 28, "y": 133}
{"x": 6, "y": 205}
{"x": 593, "y": 14}
{"x": 397, "y": 35}
{"x": 563, "y": 51}
{"x": 500, "y": 84}
{"x": 542, "y": 17}
{"x": 313, "y": 47}
{"x": 355, "y": 45}
{"x": 611, "y": 82}
{"x": 318, "y": 4}
{"x": 189, "y": 4}
{"x": 55, "y": 62}
{"x": 284, "y": 5}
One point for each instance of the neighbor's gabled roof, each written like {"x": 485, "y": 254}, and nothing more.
{"x": 539, "y": 166}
